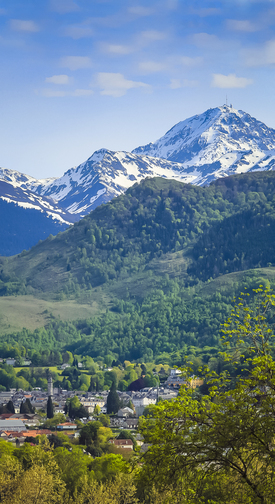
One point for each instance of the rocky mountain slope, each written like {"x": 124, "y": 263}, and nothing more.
{"x": 215, "y": 144}
{"x": 220, "y": 142}
{"x": 27, "y": 217}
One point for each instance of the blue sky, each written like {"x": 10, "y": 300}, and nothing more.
{"x": 79, "y": 75}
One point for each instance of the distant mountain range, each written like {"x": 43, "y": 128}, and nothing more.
{"x": 218, "y": 143}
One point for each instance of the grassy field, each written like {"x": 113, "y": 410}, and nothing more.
{"x": 17, "y": 312}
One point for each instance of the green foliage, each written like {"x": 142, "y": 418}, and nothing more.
{"x": 220, "y": 448}
{"x": 75, "y": 409}
{"x": 50, "y": 410}
{"x": 26, "y": 407}
{"x": 154, "y": 218}
{"x": 113, "y": 402}
{"x": 155, "y": 252}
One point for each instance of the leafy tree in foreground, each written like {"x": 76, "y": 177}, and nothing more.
{"x": 220, "y": 449}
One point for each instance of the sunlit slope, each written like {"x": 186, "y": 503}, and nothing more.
{"x": 209, "y": 231}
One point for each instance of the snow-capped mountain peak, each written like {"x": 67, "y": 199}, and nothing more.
{"x": 219, "y": 142}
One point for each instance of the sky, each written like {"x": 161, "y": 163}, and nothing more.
{"x": 80, "y": 75}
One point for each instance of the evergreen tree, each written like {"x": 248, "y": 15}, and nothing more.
{"x": 10, "y": 407}
{"x": 50, "y": 411}
{"x": 26, "y": 407}
{"x": 113, "y": 403}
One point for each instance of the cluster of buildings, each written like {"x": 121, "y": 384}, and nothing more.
{"x": 20, "y": 426}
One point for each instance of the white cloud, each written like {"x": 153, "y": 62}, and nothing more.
{"x": 190, "y": 83}
{"x": 187, "y": 61}
{"x": 171, "y": 4}
{"x": 151, "y": 66}
{"x": 175, "y": 84}
{"x": 152, "y": 35}
{"x": 83, "y": 92}
{"x": 64, "y": 6}
{"x": 139, "y": 10}
{"x": 76, "y": 62}
{"x": 261, "y": 56}
{"x": 211, "y": 11}
{"x": 117, "y": 49}
{"x": 115, "y": 84}
{"x": 205, "y": 40}
{"x": 230, "y": 81}
{"x": 241, "y": 25}
{"x": 53, "y": 93}
{"x": 24, "y": 26}
{"x": 58, "y": 79}
{"x": 78, "y": 31}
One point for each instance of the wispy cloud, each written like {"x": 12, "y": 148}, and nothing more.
{"x": 58, "y": 79}
{"x": 82, "y": 92}
{"x": 115, "y": 84}
{"x": 140, "y": 11}
{"x": 64, "y": 6}
{"x": 117, "y": 49}
{"x": 3, "y": 11}
{"x": 76, "y": 62}
{"x": 190, "y": 62}
{"x": 241, "y": 25}
{"x": 260, "y": 56}
{"x": 151, "y": 66}
{"x": 152, "y": 35}
{"x": 78, "y": 31}
{"x": 205, "y": 12}
{"x": 204, "y": 40}
{"x": 230, "y": 81}
{"x": 24, "y": 25}
{"x": 54, "y": 93}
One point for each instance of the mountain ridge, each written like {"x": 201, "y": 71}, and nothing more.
{"x": 215, "y": 144}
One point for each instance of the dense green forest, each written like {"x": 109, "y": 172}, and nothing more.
{"x": 152, "y": 219}
{"x": 169, "y": 256}
{"x": 210, "y": 448}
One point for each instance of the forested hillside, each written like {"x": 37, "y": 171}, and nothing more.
{"x": 157, "y": 254}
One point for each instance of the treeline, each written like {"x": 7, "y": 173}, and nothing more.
{"x": 95, "y": 376}
{"x": 168, "y": 320}
{"x": 214, "y": 227}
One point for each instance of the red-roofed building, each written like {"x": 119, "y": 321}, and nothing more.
{"x": 126, "y": 444}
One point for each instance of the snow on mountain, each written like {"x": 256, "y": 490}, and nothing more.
{"x": 27, "y": 217}
{"x": 220, "y": 142}
{"x": 217, "y": 143}
{"x": 18, "y": 179}
{"x": 24, "y": 198}
{"x": 104, "y": 175}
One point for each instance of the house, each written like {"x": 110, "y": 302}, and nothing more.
{"x": 176, "y": 380}
{"x": 125, "y": 412}
{"x": 12, "y": 425}
{"x": 26, "y": 362}
{"x": 66, "y": 426}
{"x": 10, "y": 361}
{"x": 90, "y": 403}
{"x": 131, "y": 423}
{"x": 126, "y": 444}
{"x": 64, "y": 366}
